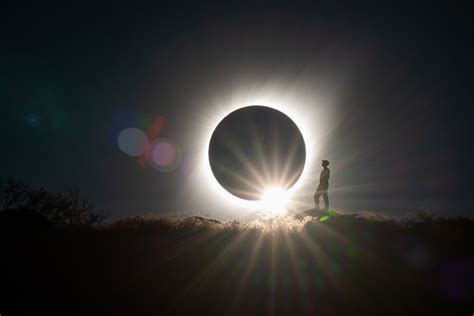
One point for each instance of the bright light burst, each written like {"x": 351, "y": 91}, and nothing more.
{"x": 275, "y": 200}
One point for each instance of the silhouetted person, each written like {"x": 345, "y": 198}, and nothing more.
{"x": 323, "y": 186}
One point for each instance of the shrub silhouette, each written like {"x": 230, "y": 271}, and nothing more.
{"x": 57, "y": 208}
{"x": 13, "y": 194}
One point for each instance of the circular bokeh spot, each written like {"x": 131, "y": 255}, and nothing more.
{"x": 255, "y": 148}
{"x": 32, "y": 120}
{"x": 132, "y": 141}
{"x": 164, "y": 154}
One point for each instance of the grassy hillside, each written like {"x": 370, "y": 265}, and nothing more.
{"x": 333, "y": 265}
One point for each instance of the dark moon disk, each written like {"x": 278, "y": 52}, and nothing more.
{"x": 254, "y": 148}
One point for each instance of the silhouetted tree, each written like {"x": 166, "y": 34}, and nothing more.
{"x": 13, "y": 193}
{"x": 57, "y": 208}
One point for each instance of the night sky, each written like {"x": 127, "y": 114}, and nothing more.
{"x": 395, "y": 84}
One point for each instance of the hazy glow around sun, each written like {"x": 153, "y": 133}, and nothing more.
{"x": 312, "y": 112}
{"x": 264, "y": 204}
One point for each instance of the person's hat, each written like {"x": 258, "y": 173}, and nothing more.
{"x": 325, "y": 162}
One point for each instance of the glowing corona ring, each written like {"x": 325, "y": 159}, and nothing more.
{"x": 253, "y": 151}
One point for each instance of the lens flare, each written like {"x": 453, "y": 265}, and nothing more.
{"x": 132, "y": 141}
{"x": 33, "y": 120}
{"x": 164, "y": 155}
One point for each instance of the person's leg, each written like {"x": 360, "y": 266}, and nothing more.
{"x": 316, "y": 199}
{"x": 326, "y": 201}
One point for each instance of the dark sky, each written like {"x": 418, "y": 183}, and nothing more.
{"x": 401, "y": 78}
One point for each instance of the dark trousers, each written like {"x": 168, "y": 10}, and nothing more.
{"x": 322, "y": 190}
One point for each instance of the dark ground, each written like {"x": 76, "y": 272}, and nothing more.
{"x": 345, "y": 265}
